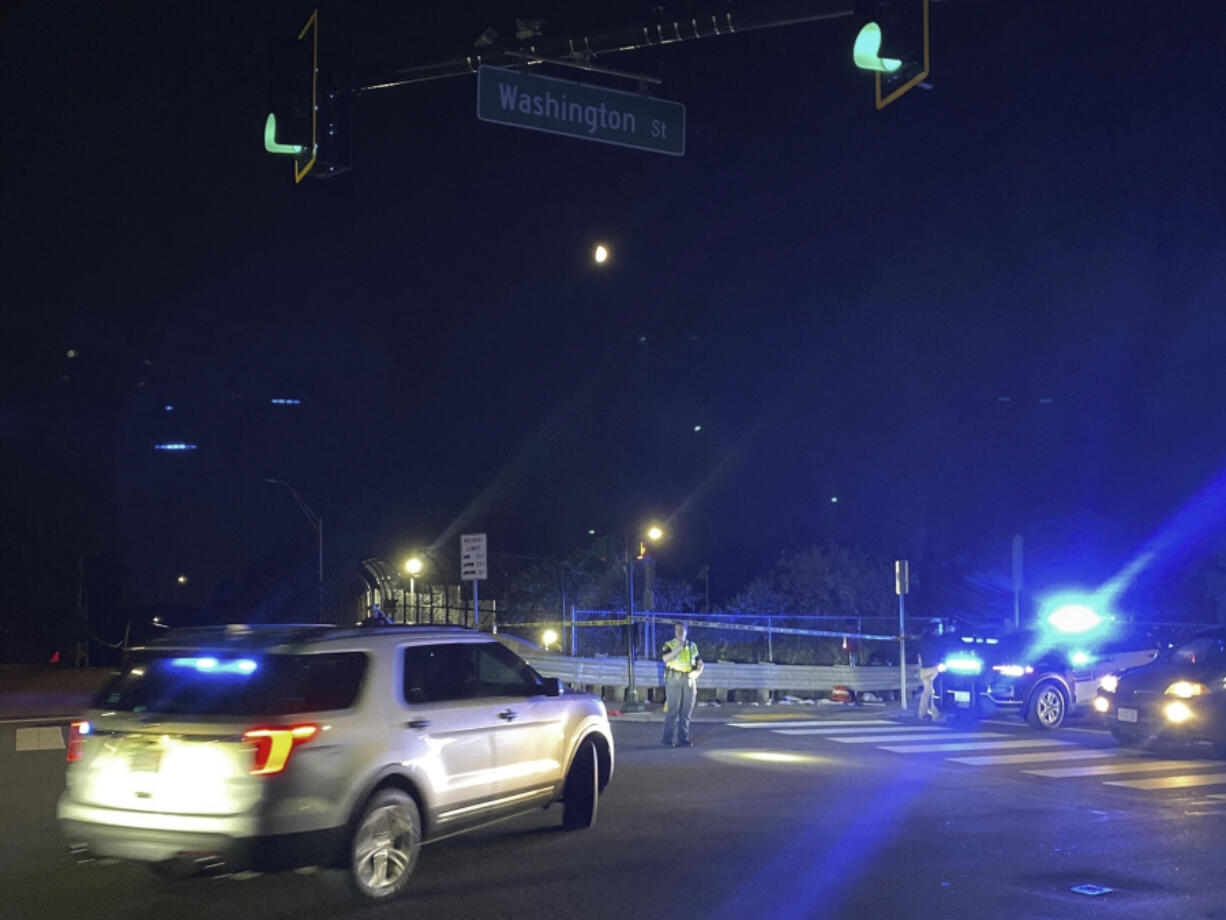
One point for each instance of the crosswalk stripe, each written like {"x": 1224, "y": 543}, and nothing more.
{"x": 1132, "y": 766}
{"x": 43, "y": 738}
{"x": 1032, "y": 757}
{"x": 798, "y": 723}
{"x": 877, "y": 739}
{"x": 968, "y": 746}
{"x": 1172, "y": 782}
{"x": 858, "y": 731}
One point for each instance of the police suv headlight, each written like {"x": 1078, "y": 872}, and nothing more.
{"x": 1110, "y": 683}
{"x": 1012, "y": 670}
{"x": 1186, "y": 689}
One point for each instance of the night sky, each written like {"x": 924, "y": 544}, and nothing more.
{"x": 994, "y": 307}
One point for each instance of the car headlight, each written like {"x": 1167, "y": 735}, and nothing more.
{"x": 1110, "y": 683}
{"x": 963, "y": 665}
{"x": 1101, "y": 704}
{"x": 1186, "y": 689}
{"x": 1012, "y": 670}
{"x": 1177, "y": 712}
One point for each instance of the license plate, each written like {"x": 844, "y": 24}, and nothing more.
{"x": 146, "y": 761}
{"x": 1126, "y": 715}
{"x": 962, "y": 696}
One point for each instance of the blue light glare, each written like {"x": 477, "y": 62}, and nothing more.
{"x": 960, "y": 664}
{"x": 1080, "y": 658}
{"x": 169, "y": 408}
{"x": 210, "y": 665}
{"x": 174, "y": 445}
{"x": 281, "y": 401}
{"x": 1073, "y": 618}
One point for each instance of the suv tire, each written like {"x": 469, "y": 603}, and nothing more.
{"x": 581, "y": 792}
{"x": 1047, "y": 707}
{"x": 385, "y": 844}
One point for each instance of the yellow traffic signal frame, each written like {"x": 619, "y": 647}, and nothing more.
{"x": 312, "y": 25}
{"x": 914, "y": 81}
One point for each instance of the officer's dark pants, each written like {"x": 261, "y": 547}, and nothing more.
{"x": 680, "y": 690}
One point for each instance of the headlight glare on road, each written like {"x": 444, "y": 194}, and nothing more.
{"x": 1110, "y": 683}
{"x": 1186, "y": 689}
{"x": 1101, "y": 704}
{"x": 1177, "y": 712}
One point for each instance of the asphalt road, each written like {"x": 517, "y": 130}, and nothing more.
{"x": 847, "y": 820}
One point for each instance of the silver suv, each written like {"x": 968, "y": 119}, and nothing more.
{"x": 284, "y": 746}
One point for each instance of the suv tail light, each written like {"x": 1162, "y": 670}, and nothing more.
{"x": 274, "y": 745}
{"x": 77, "y": 734}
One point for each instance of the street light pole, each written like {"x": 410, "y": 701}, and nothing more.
{"x": 317, "y": 524}
{"x": 632, "y": 703}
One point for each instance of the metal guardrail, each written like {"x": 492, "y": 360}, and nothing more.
{"x": 723, "y": 675}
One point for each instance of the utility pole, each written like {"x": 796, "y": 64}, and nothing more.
{"x": 317, "y": 524}
{"x": 902, "y": 579}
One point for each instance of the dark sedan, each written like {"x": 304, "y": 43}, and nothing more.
{"x": 1182, "y": 696}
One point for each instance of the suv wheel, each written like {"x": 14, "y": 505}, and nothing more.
{"x": 385, "y": 844}
{"x": 581, "y": 794}
{"x": 1048, "y": 706}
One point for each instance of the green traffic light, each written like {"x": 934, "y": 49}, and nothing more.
{"x": 866, "y": 51}
{"x": 270, "y": 139}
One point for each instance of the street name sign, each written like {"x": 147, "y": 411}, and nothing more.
{"x": 473, "y": 563}
{"x": 590, "y": 113}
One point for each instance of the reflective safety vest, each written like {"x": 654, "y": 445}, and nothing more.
{"x": 685, "y": 661}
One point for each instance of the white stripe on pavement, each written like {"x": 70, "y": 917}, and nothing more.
{"x": 766, "y": 723}
{"x": 44, "y": 738}
{"x": 877, "y": 739}
{"x": 858, "y": 731}
{"x": 1133, "y": 766}
{"x": 1171, "y": 782}
{"x": 968, "y": 746}
{"x": 1032, "y": 757}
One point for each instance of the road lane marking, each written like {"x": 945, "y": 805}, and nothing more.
{"x": 1063, "y": 728}
{"x": 968, "y": 746}
{"x": 43, "y": 738}
{"x": 1171, "y": 782}
{"x": 769, "y": 717}
{"x": 1032, "y": 757}
{"x": 809, "y": 722}
{"x": 877, "y": 739}
{"x": 1133, "y": 766}
{"x": 831, "y": 730}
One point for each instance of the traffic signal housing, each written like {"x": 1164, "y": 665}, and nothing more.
{"x": 291, "y": 126}
{"x": 895, "y": 47}
{"x": 308, "y": 111}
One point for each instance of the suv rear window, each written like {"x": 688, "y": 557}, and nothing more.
{"x": 272, "y": 685}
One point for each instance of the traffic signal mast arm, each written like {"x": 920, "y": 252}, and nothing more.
{"x": 580, "y": 52}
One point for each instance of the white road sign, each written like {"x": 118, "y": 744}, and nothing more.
{"x": 473, "y": 565}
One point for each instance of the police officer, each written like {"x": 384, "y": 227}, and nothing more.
{"x": 931, "y": 652}
{"x": 682, "y": 665}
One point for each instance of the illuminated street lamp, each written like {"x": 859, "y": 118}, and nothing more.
{"x": 182, "y": 579}
{"x": 413, "y": 566}
{"x": 600, "y": 255}
{"x": 549, "y": 637}
{"x": 653, "y": 534}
